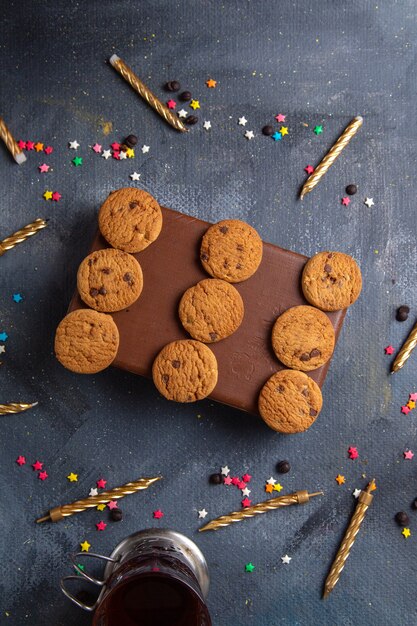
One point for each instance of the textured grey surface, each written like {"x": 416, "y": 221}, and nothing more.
{"x": 318, "y": 63}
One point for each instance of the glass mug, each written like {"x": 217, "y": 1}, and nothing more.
{"x": 155, "y": 577}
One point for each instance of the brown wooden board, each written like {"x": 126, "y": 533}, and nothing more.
{"x": 170, "y": 265}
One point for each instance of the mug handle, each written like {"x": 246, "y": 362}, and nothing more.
{"x": 82, "y": 574}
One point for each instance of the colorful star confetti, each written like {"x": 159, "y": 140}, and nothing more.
{"x": 194, "y": 104}
{"x": 345, "y": 201}
{"x": 21, "y": 460}
{"x": 202, "y": 514}
{"x": 77, "y": 161}
{"x": 101, "y": 507}
{"x": 93, "y": 491}
{"x": 340, "y": 479}
{"x": 56, "y": 196}
{"x": 145, "y": 149}
{"x": 389, "y": 350}
{"x": 246, "y": 478}
{"x": 158, "y": 514}
{"x": 369, "y": 202}
{"x": 353, "y": 453}
{"x": 37, "y": 465}
{"x": 101, "y": 525}
{"x": 47, "y": 195}
{"x": 112, "y": 505}
{"x": 211, "y": 83}
{"x": 249, "y": 134}
{"x": 225, "y": 470}
{"x": 42, "y": 476}
{"x": 246, "y": 502}
{"x": 85, "y": 546}
{"x": 406, "y": 532}
{"x": 43, "y": 168}
{"x": 405, "y": 409}
{"x": 318, "y": 130}
{"x": 280, "y": 118}
{"x": 283, "y": 130}
{"x": 4, "y": 336}
{"x": 278, "y": 487}
{"x": 408, "y": 455}
{"x": 39, "y": 147}
{"x": 101, "y": 483}
{"x": 183, "y": 113}
{"x": 134, "y": 176}
{"x": 227, "y": 480}
{"x": 17, "y": 297}
{"x": 356, "y": 493}
{"x": 286, "y": 559}
{"x": 249, "y": 567}
{"x": 48, "y": 150}
{"x": 97, "y": 148}
{"x": 207, "y": 125}
{"x": 72, "y": 477}
{"x": 106, "y": 154}
{"x": 276, "y": 136}
{"x": 171, "y": 104}
{"x": 243, "y": 121}
{"x": 73, "y": 145}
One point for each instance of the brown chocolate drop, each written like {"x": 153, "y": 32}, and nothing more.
{"x": 102, "y": 291}
{"x": 238, "y": 266}
{"x": 165, "y": 378}
{"x": 176, "y": 364}
{"x": 305, "y": 357}
{"x": 239, "y": 247}
{"x": 106, "y": 270}
{"x": 93, "y": 292}
{"x": 127, "y": 277}
{"x": 315, "y": 352}
{"x": 213, "y": 336}
{"x": 223, "y": 229}
{"x": 204, "y": 256}
{"x": 327, "y": 268}
{"x": 313, "y": 413}
{"x": 90, "y": 262}
{"x": 133, "y": 205}
{"x": 330, "y": 255}
{"x": 280, "y": 388}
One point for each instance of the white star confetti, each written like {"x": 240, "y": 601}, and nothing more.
{"x": 249, "y": 134}
{"x": 182, "y": 113}
{"x": 73, "y": 145}
{"x": 243, "y": 121}
{"x": 106, "y": 154}
{"x": 286, "y": 559}
{"x": 145, "y": 149}
{"x": 225, "y": 470}
{"x": 246, "y": 492}
{"x": 207, "y": 125}
{"x": 122, "y": 155}
{"x": 135, "y": 176}
{"x": 202, "y": 514}
{"x": 2, "y": 349}
{"x": 369, "y": 202}
{"x": 93, "y": 491}
{"x": 356, "y": 493}
{"x": 271, "y": 481}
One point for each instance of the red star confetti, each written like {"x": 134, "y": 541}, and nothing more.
{"x": 48, "y": 150}
{"x": 116, "y": 155}
{"x": 408, "y": 455}
{"x": 101, "y": 525}
{"x": 227, "y": 480}
{"x": 353, "y": 453}
{"x": 171, "y": 104}
{"x": 345, "y": 201}
{"x": 115, "y": 146}
{"x": 158, "y": 514}
{"x": 38, "y": 146}
{"x": 97, "y": 148}
{"x": 246, "y": 478}
{"x": 37, "y": 466}
{"x": 405, "y": 409}
{"x": 21, "y": 460}
{"x": 389, "y": 350}
{"x": 21, "y": 144}
{"x": 112, "y": 504}
{"x": 340, "y": 479}
{"x": 241, "y": 484}
{"x": 30, "y": 145}
{"x": 42, "y": 475}
{"x": 235, "y": 480}
{"x": 246, "y": 502}
{"x": 280, "y": 118}
{"x": 309, "y": 169}
{"x": 413, "y": 396}
{"x": 43, "y": 168}
{"x": 56, "y": 196}
{"x": 101, "y": 483}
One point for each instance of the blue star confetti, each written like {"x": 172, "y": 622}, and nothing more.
{"x": 276, "y": 136}
{"x": 4, "y": 336}
{"x": 17, "y": 297}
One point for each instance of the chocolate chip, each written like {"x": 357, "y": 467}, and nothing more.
{"x": 313, "y": 413}
{"x": 190, "y": 120}
{"x": 165, "y": 378}
{"x": 305, "y": 357}
{"x": 172, "y": 85}
{"x": 102, "y": 291}
{"x": 414, "y": 504}
{"x": 185, "y": 96}
{"x": 133, "y": 205}
{"x": 216, "y": 479}
{"x": 402, "y": 313}
{"x": 305, "y": 392}
{"x": 176, "y": 364}
{"x": 131, "y": 141}
{"x": 204, "y": 257}
{"x": 402, "y": 518}
{"x": 239, "y": 266}
{"x": 327, "y": 268}
{"x": 223, "y": 229}
{"x": 280, "y": 388}
{"x": 239, "y": 247}
{"x": 226, "y": 264}
{"x": 213, "y": 336}
{"x": 93, "y": 292}
{"x": 351, "y": 190}
{"x": 90, "y": 262}
{"x": 330, "y": 255}
{"x": 267, "y": 130}
{"x": 116, "y": 515}
{"x": 283, "y": 467}
{"x": 106, "y": 270}
{"x": 127, "y": 277}
{"x": 315, "y": 352}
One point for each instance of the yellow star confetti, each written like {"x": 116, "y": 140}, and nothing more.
{"x": 47, "y": 195}
{"x": 283, "y": 130}
{"x": 194, "y": 104}
{"x": 406, "y": 532}
{"x": 72, "y": 477}
{"x": 211, "y": 83}
{"x": 411, "y": 404}
{"x": 340, "y": 479}
{"x": 130, "y": 153}
{"x": 278, "y": 487}
{"x": 101, "y": 507}
{"x": 85, "y": 546}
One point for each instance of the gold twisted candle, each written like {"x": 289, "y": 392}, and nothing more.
{"x": 21, "y": 235}
{"x": 15, "y": 407}
{"x": 299, "y": 497}
{"x": 59, "y": 512}
{"x": 338, "y": 564}
{"x": 140, "y": 87}
{"x": 11, "y": 143}
{"x": 406, "y": 349}
{"x": 332, "y": 155}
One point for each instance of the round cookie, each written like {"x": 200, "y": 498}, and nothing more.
{"x": 211, "y": 310}
{"x": 231, "y": 250}
{"x": 109, "y": 280}
{"x": 331, "y": 281}
{"x": 290, "y": 401}
{"x": 86, "y": 342}
{"x": 303, "y": 338}
{"x": 185, "y": 371}
{"x": 130, "y": 219}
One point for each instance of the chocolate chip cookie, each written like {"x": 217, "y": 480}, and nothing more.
{"x": 86, "y": 342}
{"x": 303, "y": 338}
{"x": 231, "y": 250}
{"x": 211, "y": 310}
{"x": 331, "y": 281}
{"x": 290, "y": 401}
{"x": 109, "y": 280}
{"x": 185, "y": 371}
{"x": 130, "y": 219}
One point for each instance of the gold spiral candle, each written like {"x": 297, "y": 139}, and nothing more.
{"x": 15, "y": 407}
{"x": 406, "y": 349}
{"x": 338, "y": 564}
{"x": 140, "y": 87}
{"x": 11, "y": 143}
{"x": 21, "y": 235}
{"x": 299, "y": 497}
{"x": 59, "y": 512}
{"x": 332, "y": 155}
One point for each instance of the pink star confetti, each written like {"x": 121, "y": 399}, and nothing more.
{"x": 389, "y": 350}
{"x": 42, "y": 475}
{"x": 112, "y": 504}
{"x": 101, "y": 483}
{"x": 246, "y": 502}
{"x": 101, "y": 525}
{"x": 43, "y": 168}
{"x": 56, "y": 196}
{"x": 48, "y": 150}
{"x": 408, "y": 455}
{"x": 158, "y": 514}
{"x": 21, "y": 460}
{"x": 235, "y": 480}
{"x": 37, "y": 466}
{"x": 97, "y": 148}
{"x": 171, "y": 104}
{"x": 21, "y": 144}
{"x": 413, "y": 397}
{"x": 227, "y": 480}
{"x": 280, "y": 118}
{"x": 115, "y": 146}
{"x": 405, "y": 409}
{"x": 345, "y": 201}
{"x": 353, "y": 453}
{"x": 30, "y": 145}
{"x": 246, "y": 478}
{"x": 241, "y": 484}
{"x": 309, "y": 169}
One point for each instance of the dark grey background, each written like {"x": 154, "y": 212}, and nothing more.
{"x": 319, "y": 63}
